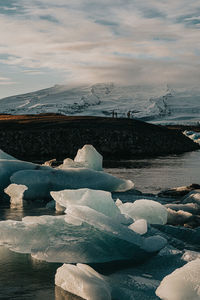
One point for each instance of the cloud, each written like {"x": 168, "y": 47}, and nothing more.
{"x": 6, "y": 81}
{"x": 127, "y": 41}
{"x": 33, "y": 72}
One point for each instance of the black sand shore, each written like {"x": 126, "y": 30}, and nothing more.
{"x": 46, "y": 136}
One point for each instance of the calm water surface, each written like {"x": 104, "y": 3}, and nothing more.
{"x": 23, "y": 278}
{"x": 154, "y": 175}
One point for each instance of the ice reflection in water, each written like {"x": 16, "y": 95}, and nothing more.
{"x": 23, "y": 278}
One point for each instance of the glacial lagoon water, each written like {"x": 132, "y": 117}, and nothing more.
{"x": 22, "y": 277}
{"x": 155, "y": 174}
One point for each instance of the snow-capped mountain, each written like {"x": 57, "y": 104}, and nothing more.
{"x": 158, "y": 105}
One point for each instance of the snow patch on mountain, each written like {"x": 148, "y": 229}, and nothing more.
{"x": 143, "y": 102}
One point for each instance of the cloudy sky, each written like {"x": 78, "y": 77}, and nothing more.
{"x": 47, "y": 42}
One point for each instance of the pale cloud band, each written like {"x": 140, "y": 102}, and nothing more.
{"x": 140, "y": 42}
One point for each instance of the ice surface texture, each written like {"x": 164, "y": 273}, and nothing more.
{"x": 182, "y": 284}
{"x": 100, "y": 201}
{"x": 87, "y": 157}
{"x": 157, "y": 103}
{"x": 66, "y": 239}
{"x": 139, "y": 226}
{"x": 83, "y": 281}
{"x": 152, "y": 211}
{"x": 9, "y": 167}
{"x": 16, "y": 193}
{"x": 40, "y": 182}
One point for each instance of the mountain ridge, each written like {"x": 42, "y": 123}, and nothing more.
{"x": 154, "y": 104}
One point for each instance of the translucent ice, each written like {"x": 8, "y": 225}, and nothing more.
{"x": 16, "y": 193}
{"x": 9, "y": 167}
{"x": 99, "y": 200}
{"x": 152, "y": 211}
{"x": 182, "y": 284}
{"x": 83, "y": 281}
{"x": 139, "y": 226}
{"x": 83, "y": 235}
{"x": 40, "y": 182}
{"x": 86, "y": 157}
{"x": 90, "y": 157}
{"x": 153, "y": 243}
{"x": 4, "y": 155}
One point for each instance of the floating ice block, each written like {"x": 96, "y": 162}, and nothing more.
{"x": 83, "y": 281}
{"x": 182, "y": 284}
{"x": 152, "y": 211}
{"x": 16, "y": 193}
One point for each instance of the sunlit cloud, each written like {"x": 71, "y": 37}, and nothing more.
{"x": 6, "y": 81}
{"x": 110, "y": 40}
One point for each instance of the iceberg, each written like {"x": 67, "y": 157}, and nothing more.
{"x": 100, "y": 201}
{"x": 152, "y": 211}
{"x": 9, "y": 167}
{"x": 89, "y": 156}
{"x": 41, "y": 182}
{"x": 83, "y": 281}
{"x": 182, "y": 284}
{"x": 16, "y": 193}
{"x": 65, "y": 238}
{"x": 86, "y": 157}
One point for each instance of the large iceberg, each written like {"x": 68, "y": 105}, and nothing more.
{"x": 83, "y": 281}
{"x": 41, "y": 182}
{"x": 66, "y": 239}
{"x": 9, "y": 167}
{"x": 152, "y": 211}
{"x": 182, "y": 284}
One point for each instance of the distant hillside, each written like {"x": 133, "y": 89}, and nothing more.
{"x": 46, "y": 136}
